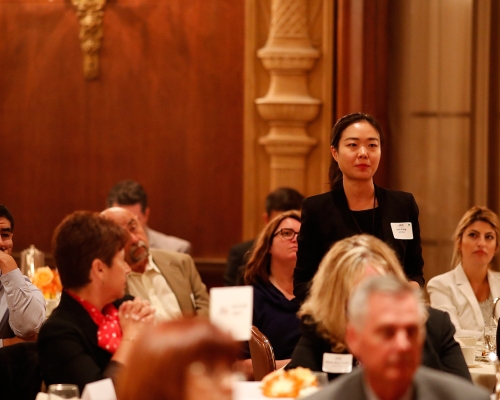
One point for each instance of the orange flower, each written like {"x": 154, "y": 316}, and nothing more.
{"x": 48, "y": 281}
{"x": 43, "y": 276}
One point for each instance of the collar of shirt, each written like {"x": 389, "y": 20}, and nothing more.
{"x": 150, "y": 267}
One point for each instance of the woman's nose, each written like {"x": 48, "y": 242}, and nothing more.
{"x": 362, "y": 152}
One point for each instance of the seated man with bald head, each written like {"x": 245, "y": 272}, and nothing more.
{"x": 167, "y": 279}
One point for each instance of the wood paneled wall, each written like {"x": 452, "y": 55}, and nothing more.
{"x": 361, "y": 73}
{"x": 166, "y": 111}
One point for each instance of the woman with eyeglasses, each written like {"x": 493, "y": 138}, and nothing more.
{"x": 270, "y": 271}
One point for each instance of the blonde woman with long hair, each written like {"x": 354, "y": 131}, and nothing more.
{"x": 466, "y": 293}
{"x": 323, "y": 314}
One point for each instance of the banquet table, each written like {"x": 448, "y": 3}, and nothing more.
{"x": 483, "y": 374}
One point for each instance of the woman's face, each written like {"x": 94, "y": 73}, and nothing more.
{"x": 285, "y": 250}
{"x": 358, "y": 153}
{"x": 115, "y": 278}
{"x": 478, "y": 244}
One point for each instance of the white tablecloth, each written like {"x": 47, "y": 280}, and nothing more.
{"x": 484, "y": 375}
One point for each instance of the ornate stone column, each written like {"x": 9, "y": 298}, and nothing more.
{"x": 288, "y": 106}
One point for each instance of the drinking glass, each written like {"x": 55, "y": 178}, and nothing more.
{"x": 322, "y": 378}
{"x": 63, "y": 391}
{"x": 490, "y": 338}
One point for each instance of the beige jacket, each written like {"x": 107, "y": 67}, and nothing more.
{"x": 184, "y": 280}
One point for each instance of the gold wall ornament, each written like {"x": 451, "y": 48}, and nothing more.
{"x": 90, "y": 14}
{"x": 287, "y": 106}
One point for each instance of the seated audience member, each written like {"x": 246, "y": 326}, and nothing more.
{"x": 22, "y": 306}
{"x": 385, "y": 332}
{"x": 466, "y": 293}
{"x": 87, "y": 338}
{"x": 270, "y": 272}
{"x": 167, "y": 279}
{"x": 323, "y": 314}
{"x": 277, "y": 202}
{"x": 132, "y": 196}
{"x": 185, "y": 359}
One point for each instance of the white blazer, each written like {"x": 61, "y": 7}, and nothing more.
{"x": 452, "y": 292}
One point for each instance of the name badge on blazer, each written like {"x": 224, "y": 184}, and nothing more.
{"x": 337, "y": 363}
{"x": 402, "y": 230}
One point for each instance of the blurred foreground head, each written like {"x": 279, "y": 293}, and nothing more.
{"x": 186, "y": 359}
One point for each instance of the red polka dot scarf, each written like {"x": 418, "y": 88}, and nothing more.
{"x": 109, "y": 333}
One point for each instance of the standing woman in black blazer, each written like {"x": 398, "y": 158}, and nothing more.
{"x": 356, "y": 205}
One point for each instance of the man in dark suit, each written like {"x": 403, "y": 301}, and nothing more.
{"x": 169, "y": 280}
{"x": 277, "y": 202}
{"x": 385, "y": 333}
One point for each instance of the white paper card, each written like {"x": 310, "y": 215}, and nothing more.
{"x": 402, "y": 230}
{"x": 231, "y": 310}
{"x": 99, "y": 390}
{"x": 337, "y": 363}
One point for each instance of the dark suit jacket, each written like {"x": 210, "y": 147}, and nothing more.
{"x": 440, "y": 350}
{"x": 428, "y": 385}
{"x": 326, "y": 219}
{"x": 68, "y": 349}
{"x": 236, "y": 261}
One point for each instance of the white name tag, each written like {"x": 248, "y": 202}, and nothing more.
{"x": 402, "y": 230}
{"x": 337, "y": 363}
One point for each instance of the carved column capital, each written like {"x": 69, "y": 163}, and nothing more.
{"x": 90, "y": 14}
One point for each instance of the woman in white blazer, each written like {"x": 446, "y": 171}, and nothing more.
{"x": 468, "y": 291}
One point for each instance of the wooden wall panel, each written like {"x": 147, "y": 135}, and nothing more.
{"x": 166, "y": 111}
{"x": 361, "y": 75}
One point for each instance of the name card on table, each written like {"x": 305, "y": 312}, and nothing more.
{"x": 99, "y": 390}
{"x": 231, "y": 310}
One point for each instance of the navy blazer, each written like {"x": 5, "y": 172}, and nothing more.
{"x": 326, "y": 219}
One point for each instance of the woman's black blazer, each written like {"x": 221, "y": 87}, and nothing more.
{"x": 326, "y": 219}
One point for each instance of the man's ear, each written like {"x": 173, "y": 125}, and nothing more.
{"x": 265, "y": 217}
{"x": 351, "y": 339}
{"x": 146, "y": 215}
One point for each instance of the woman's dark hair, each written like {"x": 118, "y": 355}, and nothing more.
{"x": 334, "y": 173}
{"x": 258, "y": 267}
{"x": 78, "y": 240}
{"x": 164, "y": 354}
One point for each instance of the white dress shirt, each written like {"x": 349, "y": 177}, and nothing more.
{"x": 153, "y": 287}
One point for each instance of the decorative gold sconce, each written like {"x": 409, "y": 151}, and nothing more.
{"x": 90, "y": 14}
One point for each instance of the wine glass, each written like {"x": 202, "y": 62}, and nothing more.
{"x": 63, "y": 391}
{"x": 490, "y": 338}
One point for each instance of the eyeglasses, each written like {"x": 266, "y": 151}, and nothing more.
{"x": 286, "y": 233}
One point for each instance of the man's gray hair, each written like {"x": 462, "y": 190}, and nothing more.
{"x": 358, "y": 305}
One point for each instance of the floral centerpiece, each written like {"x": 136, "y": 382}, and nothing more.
{"x": 48, "y": 281}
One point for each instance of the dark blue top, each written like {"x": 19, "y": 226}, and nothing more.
{"x": 276, "y": 317}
